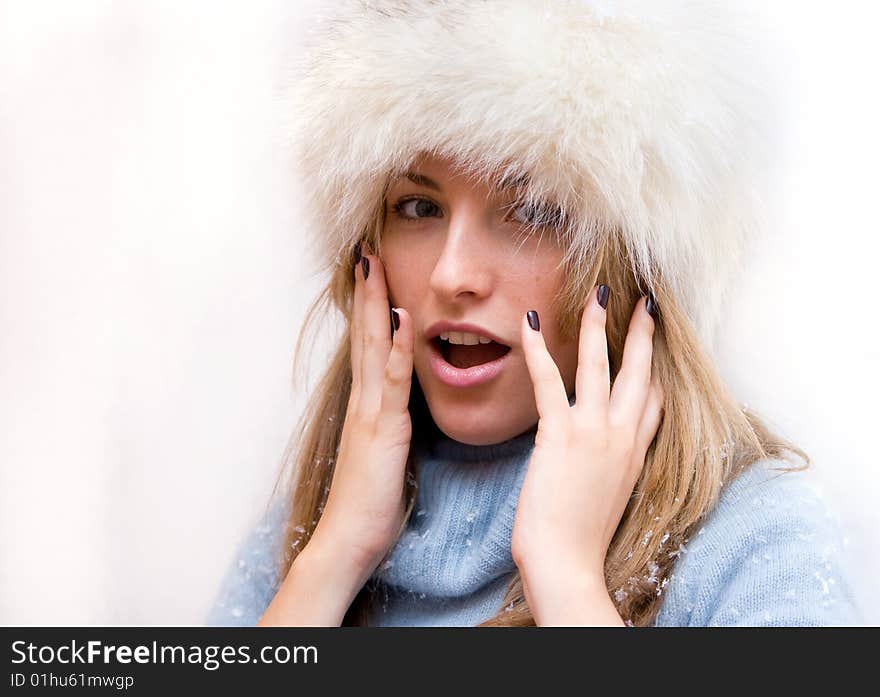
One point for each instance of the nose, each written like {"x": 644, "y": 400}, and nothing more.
{"x": 464, "y": 268}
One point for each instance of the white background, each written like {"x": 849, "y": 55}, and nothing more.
{"x": 153, "y": 277}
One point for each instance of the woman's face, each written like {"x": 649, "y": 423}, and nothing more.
{"x": 453, "y": 251}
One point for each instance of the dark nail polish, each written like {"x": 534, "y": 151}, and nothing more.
{"x": 534, "y": 322}
{"x": 357, "y": 253}
{"x": 604, "y": 292}
{"x": 395, "y": 321}
{"x": 651, "y": 305}
{"x": 365, "y": 265}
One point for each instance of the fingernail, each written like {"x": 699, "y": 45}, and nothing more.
{"x": 365, "y": 265}
{"x": 604, "y": 292}
{"x": 357, "y": 253}
{"x": 651, "y": 305}
{"x": 395, "y": 320}
{"x": 534, "y": 322}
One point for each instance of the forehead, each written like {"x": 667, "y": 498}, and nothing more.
{"x": 433, "y": 171}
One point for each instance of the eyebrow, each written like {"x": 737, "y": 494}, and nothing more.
{"x": 422, "y": 180}
{"x": 501, "y": 185}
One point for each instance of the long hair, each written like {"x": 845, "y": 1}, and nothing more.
{"x": 706, "y": 438}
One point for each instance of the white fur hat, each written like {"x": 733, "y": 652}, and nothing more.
{"x": 648, "y": 119}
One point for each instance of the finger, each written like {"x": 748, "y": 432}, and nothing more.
{"x": 550, "y": 395}
{"x": 593, "y": 380}
{"x": 648, "y": 427}
{"x": 356, "y": 329}
{"x": 399, "y": 368}
{"x": 632, "y": 382}
{"x": 376, "y": 343}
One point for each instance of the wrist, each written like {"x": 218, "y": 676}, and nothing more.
{"x": 348, "y": 563}
{"x": 316, "y": 592}
{"x": 549, "y": 568}
{"x": 312, "y": 594}
{"x": 360, "y": 543}
{"x": 568, "y": 595}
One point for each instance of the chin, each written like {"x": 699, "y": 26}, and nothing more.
{"x": 477, "y": 424}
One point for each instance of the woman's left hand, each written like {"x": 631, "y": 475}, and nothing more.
{"x": 585, "y": 464}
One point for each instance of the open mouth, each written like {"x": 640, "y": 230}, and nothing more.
{"x": 464, "y": 356}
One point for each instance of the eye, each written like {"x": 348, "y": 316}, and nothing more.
{"x": 535, "y": 214}
{"x": 415, "y": 208}
{"x": 523, "y": 213}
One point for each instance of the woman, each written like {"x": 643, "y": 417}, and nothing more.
{"x": 551, "y": 199}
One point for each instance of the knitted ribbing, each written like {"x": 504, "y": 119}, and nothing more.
{"x": 452, "y": 563}
{"x": 769, "y": 554}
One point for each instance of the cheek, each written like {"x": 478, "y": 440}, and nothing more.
{"x": 404, "y": 274}
{"x": 534, "y": 286}
{"x": 538, "y": 287}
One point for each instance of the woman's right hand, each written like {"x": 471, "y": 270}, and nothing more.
{"x": 365, "y": 506}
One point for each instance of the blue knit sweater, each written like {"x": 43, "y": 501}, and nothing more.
{"x": 768, "y": 555}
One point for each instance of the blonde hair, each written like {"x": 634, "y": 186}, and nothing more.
{"x": 706, "y": 438}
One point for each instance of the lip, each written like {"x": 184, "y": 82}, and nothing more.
{"x": 463, "y": 377}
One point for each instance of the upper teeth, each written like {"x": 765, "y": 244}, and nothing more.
{"x": 466, "y": 338}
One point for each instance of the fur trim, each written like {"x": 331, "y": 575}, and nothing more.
{"x": 642, "y": 118}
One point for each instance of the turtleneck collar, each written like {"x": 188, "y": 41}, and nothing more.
{"x": 457, "y": 539}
